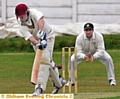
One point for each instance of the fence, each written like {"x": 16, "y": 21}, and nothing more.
{"x": 69, "y": 11}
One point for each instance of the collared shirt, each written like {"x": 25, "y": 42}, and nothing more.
{"x": 94, "y": 46}
{"x": 30, "y": 27}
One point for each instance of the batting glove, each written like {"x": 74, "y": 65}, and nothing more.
{"x": 43, "y": 40}
{"x": 42, "y": 44}
{"x": 41, "y": 35}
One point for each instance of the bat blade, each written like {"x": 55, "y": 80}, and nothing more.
{"x": 36, "y": 66}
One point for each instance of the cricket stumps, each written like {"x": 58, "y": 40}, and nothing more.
{"x": 68, "y": 51}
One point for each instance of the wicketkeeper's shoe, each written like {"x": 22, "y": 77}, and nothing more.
{"x": 112, "y": 82}
{"x": 56, "y": 89}
{"x": 38, "y": 91}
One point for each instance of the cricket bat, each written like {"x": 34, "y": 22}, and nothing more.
{"x": 36, "y": 66}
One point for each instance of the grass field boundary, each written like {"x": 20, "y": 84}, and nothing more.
{"x": 98, "y": 95}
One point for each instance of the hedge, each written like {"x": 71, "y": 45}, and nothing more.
{"x": 112, "y": 42}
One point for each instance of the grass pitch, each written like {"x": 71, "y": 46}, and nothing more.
{"x": 15, "y": 72}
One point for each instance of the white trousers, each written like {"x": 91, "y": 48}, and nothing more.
{"x": 46, "y": 67}
{"x": 105, "y": 59}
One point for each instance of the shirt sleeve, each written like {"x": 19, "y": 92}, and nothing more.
{"x": 36, "y": 14}
{"x": 100, "y": 47}
{"x": 79, "y": 47}
{"x": 26, "y": 34}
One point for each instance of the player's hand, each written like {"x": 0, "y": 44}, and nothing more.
{"x": 43, "y": 39}
{"x": 91, "y": 58}
{"x": 86, "y": 58}
{"x": 41, "y": 35}
{"x": 42, "y": 45}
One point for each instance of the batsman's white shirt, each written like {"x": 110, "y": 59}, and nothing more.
{"x": 31, "y": 29}
{"x": 95, "y": 45}
{"x": 34, "y": 16}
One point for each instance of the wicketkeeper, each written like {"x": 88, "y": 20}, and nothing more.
{"x": 35, "y": 29}
{"x": 90, "y": 46}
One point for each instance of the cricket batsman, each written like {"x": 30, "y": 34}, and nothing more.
{"x": 35, "y": 29}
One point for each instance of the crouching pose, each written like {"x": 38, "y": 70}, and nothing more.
{"x": 90, "y": 46}
{"x": 35, "y": 29}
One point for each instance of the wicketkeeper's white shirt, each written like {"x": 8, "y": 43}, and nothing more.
{"x": 93, "y": 46}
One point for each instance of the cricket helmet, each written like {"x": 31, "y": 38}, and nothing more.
{"x": 21, "y": 9}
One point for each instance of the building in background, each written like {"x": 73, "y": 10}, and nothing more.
{"x": 60, "y": 12}
{"x": 0, "y": 10}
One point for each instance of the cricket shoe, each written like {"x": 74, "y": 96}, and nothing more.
{"x": 38, "y": 91}
{"x": 112, "y": 82}
{"x": 73, "y": 84}
{"x": 56, "y": 89}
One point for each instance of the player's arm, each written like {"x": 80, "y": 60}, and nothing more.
{"x": 41, "y": 35}
{"x": 41, "y": 23}
{"x": 100, "y": 48}
{"x": 33, "y": 40}
{"x": 79, "y": 47}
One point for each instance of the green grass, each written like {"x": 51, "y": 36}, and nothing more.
{"x": 17, "y": 44}
{"x": 15, "y": 72}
